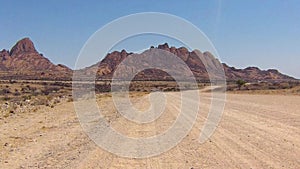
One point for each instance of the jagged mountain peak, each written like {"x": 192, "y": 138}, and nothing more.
{"x": 195, "y": 59}
{"x": 22, "y": 46}
{"x": 23, "y": 61}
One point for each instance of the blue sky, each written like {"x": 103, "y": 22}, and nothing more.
{"x": 245, "y": 33}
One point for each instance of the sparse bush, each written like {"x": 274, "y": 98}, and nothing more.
{"x": 26, "y": 97}
{"x": 70, "y": 99}
{"x": 56, "y": 101}
{"x": 4, "y": 91}
{"x": 240, "y": 83}
{"x": 6, "y": 98}
{"x": 17, "y": 93}
{"x": 36, "y": 92}
{"x": 284, "y": 85}
{"x": 41, "y": 101}
{"x": 49, "y": 90}
{"x": 12, "y": 81}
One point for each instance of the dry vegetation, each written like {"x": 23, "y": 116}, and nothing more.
{"x": 281, "y": 88}
{"x": 29, "y": 96}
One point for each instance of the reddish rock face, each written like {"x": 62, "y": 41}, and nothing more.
{"x": 193, "y": 59}
{"x": 23, "y": 60}
{"x": 23, "y": 46}
{"x": 4, "y": 55}
{"x": 164, "y": 47}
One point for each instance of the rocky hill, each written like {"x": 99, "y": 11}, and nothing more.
{"x": 23, "y": 61}
{"x": 108, "y": 65}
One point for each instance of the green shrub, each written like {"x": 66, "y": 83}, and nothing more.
{"x": 240, "y": 83}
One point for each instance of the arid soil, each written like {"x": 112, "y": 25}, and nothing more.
{"x": 256, "y": 131}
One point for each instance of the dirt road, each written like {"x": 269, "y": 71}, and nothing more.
{"x": 256, "y": 131}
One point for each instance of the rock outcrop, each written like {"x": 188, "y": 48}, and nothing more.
{"x": 194, "y": 59}
{"x": 24, "y": 62}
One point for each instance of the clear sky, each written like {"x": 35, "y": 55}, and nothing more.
{"x": 263, "y": 33}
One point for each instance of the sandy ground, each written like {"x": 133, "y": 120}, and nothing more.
{"x": 256, "y": 131}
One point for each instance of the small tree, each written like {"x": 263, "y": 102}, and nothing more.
{"x": 240, "y": 83}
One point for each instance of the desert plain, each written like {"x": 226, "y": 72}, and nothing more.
{"x": 257, "y": 130}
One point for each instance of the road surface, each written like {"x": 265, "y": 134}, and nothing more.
{"x": 256, "y": 131}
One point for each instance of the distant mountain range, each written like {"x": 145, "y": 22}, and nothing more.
{"x": 108, "y": 65}
{"x": 23, "y": 61}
